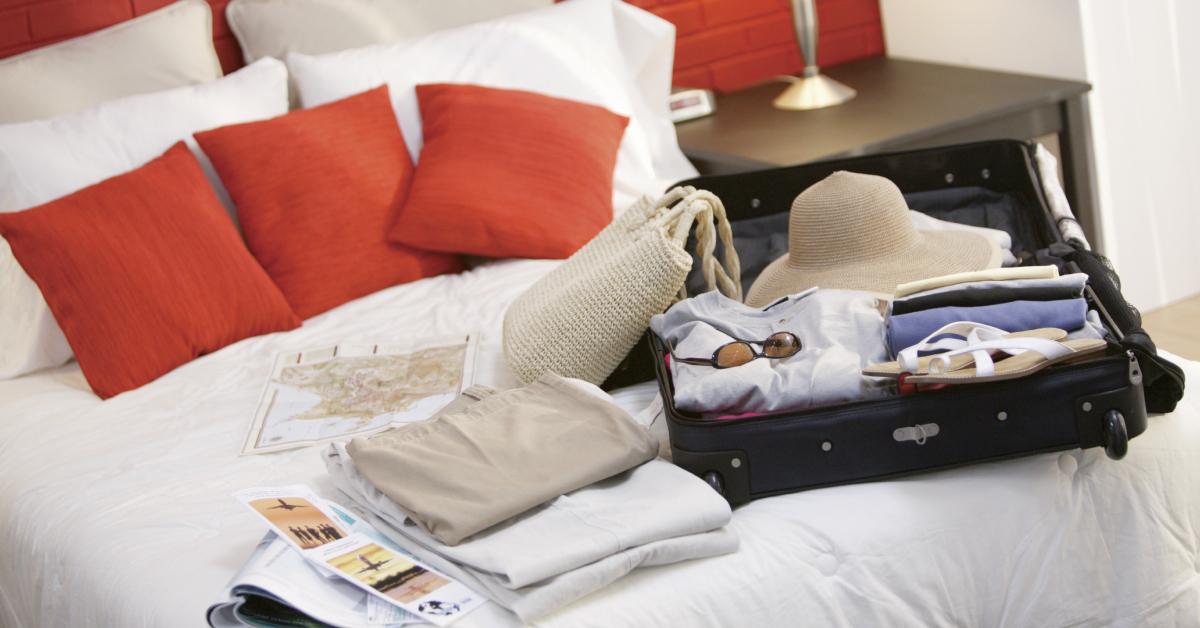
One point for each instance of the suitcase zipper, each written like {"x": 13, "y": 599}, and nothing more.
{"x": 1135, "y": 369}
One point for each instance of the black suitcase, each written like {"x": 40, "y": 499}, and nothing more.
{"x": 1099, "y": 403}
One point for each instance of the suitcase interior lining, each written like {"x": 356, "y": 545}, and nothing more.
{"x": 989, "y": 184}
{"x": 996, "y": 187}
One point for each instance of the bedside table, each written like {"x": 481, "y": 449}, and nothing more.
{"x": 901, "y": 105}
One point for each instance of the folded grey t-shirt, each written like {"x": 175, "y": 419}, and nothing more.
{"x": 840, "y": 331}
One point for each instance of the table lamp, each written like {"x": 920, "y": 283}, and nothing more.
{"x": 810, "y": 90}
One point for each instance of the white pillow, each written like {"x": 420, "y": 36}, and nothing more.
{"x": 601, "y": 52}
{"x": 162, "y": 49}
{"x": 47, "y": 159}
{"x": 273, "y": 28}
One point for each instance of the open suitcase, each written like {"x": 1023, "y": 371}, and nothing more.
{"x": 1098, "y": 403}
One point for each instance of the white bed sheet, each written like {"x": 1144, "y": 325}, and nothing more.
{"x": 118, "y": 513}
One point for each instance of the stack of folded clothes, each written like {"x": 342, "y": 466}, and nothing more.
{"x": 534, "y": 496}
{"x": 955, "y": 329}
{"x": 1012, "y": 299}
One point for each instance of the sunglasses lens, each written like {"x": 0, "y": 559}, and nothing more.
{"x": 734, "y": 354}
{"x": 781, "y": 345}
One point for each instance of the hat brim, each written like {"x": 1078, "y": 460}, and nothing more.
{"x": 936, "y": 253}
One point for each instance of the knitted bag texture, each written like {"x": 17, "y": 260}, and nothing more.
{"x": 584, "y": 317}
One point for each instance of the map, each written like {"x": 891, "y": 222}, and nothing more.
{"x": 334, "y": 393}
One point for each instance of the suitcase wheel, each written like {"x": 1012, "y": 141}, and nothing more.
{"x": 713, "y": 479}
{"x": 1116, "y": 438}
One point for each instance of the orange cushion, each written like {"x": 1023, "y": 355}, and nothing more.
{"x": 315, "y": 192}
{"x": 507, "y": 173}
{"x": 144, "y": 272}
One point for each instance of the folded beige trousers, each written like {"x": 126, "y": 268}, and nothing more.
{"x": 489, "y": 456}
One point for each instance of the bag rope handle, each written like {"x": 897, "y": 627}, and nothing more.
{"x": 664, "y": 205}
{"x": 706, "y": 212}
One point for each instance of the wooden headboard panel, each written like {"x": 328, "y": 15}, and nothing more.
{"x": 28, "y": 24}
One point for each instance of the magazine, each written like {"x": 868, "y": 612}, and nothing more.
{"x": 322, "y": 566}
{"x": 278, "y": 587}
{"x": 333, "y": 393}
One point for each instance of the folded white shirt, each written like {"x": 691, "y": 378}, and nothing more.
{"x": 925, "y": 222}
{"x": 654, "y": 514}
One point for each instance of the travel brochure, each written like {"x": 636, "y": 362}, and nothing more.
{"x": 320, "y": 563}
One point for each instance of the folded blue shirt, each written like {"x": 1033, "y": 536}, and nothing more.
{"x": 905, "y": 330}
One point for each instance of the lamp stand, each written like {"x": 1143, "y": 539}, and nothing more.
{"x": 810, "y": 90}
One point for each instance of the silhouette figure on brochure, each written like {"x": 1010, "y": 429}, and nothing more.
{"x": 310, "y": 536}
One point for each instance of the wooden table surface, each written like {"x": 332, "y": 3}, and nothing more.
{"x": 900, "y": 104}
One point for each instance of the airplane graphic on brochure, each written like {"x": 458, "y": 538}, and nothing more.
{"x": 286, "y": 506}
{"x": 370, "y": 566}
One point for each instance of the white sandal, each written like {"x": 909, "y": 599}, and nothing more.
{"x": 961, "y": 334}
{"x": 1029, "y": 355}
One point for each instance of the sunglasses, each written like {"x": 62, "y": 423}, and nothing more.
{"x": 779, "y": 345}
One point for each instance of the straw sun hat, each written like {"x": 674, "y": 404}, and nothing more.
{"x": 853, "y": 231}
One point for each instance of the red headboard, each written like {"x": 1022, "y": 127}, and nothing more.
{"x": 28, "y": 24}
{"x": 722, "y": 44}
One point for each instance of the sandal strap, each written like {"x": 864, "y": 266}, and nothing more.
{"x": 984, "y": 364}
{"x": 981, "y": 358}
{"x": 967, "y": 333}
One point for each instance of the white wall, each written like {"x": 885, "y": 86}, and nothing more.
{"x": 1144, "y": 65}
{"x": 1040, "y": 37}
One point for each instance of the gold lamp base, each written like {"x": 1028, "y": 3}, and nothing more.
{"x": 814, "y": 91}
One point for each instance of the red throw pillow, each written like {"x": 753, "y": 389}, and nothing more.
{"x": 144, "y": 272}
{"x": 507, "y": 173}
{"x": 315, "y": 192}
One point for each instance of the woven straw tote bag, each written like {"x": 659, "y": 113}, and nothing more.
{"x": 584, "y": 317}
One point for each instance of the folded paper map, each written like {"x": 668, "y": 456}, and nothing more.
{"x": 333, "y": 393}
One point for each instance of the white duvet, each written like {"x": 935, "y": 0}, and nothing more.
{"x": 119, "y": 513}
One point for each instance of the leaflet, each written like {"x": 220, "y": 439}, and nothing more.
{"x": 352, "y": 554}
{"x": 277, "y": 579}
{"x": 277, "y": 586}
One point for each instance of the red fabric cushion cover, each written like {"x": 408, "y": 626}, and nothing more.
{"x": 144, "y": 272}
{"x": 315, "y": 192}
{"x": 507, "y": 173}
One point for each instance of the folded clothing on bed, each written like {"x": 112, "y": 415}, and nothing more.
{"x": 840, "y": 332}
{"x": 654, "y": 514}
{"x": 907, "y": 330}
{"x": 1002, "y": 239}
{"x": 490, "y": 456}
{"x": 992, "y": 292}
{"x": 1010, "y": 304}
{"x": 991, "y": 274}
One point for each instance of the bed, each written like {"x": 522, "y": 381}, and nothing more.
{"x": 119, "y": 512}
